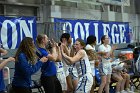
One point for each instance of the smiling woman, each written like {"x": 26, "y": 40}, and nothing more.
{"x": 82, "y": 65}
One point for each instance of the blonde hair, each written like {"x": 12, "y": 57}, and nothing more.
{"x": 39, "y": 39}
{"x": 28, "y": 48}
{"x": 92, "y": 55}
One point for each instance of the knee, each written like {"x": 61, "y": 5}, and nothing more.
{"x": 108, "y": 82}
{"x": 103, "y": 83}
{"x": 118, "y": 80}
{"x": 128, "y": 77}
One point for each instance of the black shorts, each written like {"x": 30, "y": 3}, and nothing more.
{"x": 2, "y": 92}
{"x": 21, "y": 89}
{"x": 51, "y": 84}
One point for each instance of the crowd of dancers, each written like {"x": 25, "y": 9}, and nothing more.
{"x": 67, "y": 68}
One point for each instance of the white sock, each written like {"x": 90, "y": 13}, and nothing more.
{"x": 117, "y": 92}
{"x": 122, "y": 91}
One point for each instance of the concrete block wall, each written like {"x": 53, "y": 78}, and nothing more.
{"x": 75, "y": 10}
{"x": 125, "y": 17}
{"x": 76, "y": 13}
{"x": 25, "y": 1}
{"x": 118, "y": 17}
{"x": 137, "y": 6}
{"x": 81, "y": 9}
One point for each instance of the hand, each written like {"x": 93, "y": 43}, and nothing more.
{"x": 73, "y": 47}
{"x": 64, "y": 46}
{"x": 11, "y": 59}
{"x": 106, "y": 55}
{"x": 61, "y": 48}
{"x": 65, "y": 49}
{"x": 44, "y": 59}
{"x": 57, "y": 46}
{"x": 114, "y": 47}
{"x": 53, "y": 43}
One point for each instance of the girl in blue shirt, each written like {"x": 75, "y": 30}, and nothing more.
{"x": 25, "y": 66}
{"x": 49, "y": 79}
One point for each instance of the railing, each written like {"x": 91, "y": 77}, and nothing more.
{"x": 136, "y": 35}
{"x": 7, "y": 74}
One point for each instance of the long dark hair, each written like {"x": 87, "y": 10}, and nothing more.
{"x": 65, "y": 35}
{"x": 103, "y": 38}
{"x": 28, "y": 48}
{"x": 91, "y": 39}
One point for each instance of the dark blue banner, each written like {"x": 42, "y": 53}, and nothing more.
{"x": 117, "y": 31}
{"x": 13, "y": 30}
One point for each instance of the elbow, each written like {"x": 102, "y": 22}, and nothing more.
{"x": 53, "y": 59}
{"x": 5, "y": 53}
{"x": 71, "y": 61}
{"x": 58, "y": 60}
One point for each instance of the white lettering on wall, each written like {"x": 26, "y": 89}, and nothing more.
{"x": 116, "y": 31}
{"x": 79, "y": 25}
{"x": 96, "y": 32}
{"x": 122, "y": 31}
{"x": 106, "y": 29}
{"x": 67, "y": 25}
{"x": 4, "y": 34}
{"x": 86, "y": 25}
{"x": 113, "y": 29}
{"x": 117, "y": 38}
{"x": 24, "y": 29}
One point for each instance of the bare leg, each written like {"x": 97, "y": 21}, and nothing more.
{"x": 119, "y": 79}
{"x": 69, "y": 83}
{"x": 107, "y": 83}
{"x": 127, "y": 80}
{"x": 93, "y": 86}
{"x": 74, "y": 83}
{"x": 103, "y": 83}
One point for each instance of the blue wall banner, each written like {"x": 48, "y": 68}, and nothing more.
{"x": 13, "y": 30}
{"x": 118, "y": 32}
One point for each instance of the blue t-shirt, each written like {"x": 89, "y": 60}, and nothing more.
{"x": 23, "y": 71}
{"x": 2, "y": 85}
{"x": 48, "y": 68}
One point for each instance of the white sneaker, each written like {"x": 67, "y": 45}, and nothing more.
{"x": 117, "y": 92}
{"x": 130, "y": 91}
{"x": 123, "y": 91}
